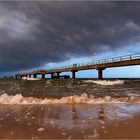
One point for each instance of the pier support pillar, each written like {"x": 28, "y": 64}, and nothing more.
{"x": 52, "y": 75}
{"x": 55, "y": 75}
{"x": 43, "y": 76}
{"x": 74, "y": 74}
{"x": 58, "y": 76}
{"x": 100, "y": 73}
{"x": 34, "y": 75}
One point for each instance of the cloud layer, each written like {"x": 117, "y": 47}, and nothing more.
{"x": 34, "y": 33}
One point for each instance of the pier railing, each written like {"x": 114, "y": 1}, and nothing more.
{"x": 87, "y": 64}
{"x": 102, "y": 61}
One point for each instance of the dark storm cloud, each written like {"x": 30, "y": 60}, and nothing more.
{"x": 34, "y": 33}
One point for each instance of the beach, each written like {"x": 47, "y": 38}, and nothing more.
{"x": 70, "y": 121}
{"x": 69, "y": 109}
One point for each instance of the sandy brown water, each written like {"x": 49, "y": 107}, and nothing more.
{"x": 77, "y": 121}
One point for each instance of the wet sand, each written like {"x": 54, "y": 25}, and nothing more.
{"x": 77, "y": 121}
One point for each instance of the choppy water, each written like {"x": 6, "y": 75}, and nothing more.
{"x": 66, "y": 121}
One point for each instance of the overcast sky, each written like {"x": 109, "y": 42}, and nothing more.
{"x": 39, "y": 33}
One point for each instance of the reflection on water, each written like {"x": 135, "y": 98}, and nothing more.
{"x": 63, "y": 121}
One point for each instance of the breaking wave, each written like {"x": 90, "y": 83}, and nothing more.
{"x": 30, "y": 79}
{"x": 105, "y": 82}
{"x": 84, "y": 98}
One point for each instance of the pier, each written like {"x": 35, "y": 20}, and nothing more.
{"x": 100, "y": 65}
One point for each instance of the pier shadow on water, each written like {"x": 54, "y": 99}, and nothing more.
{"x": 69, "y": 121}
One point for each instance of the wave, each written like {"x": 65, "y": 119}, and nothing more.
{"x": 105, "y": 82}
{"x": 30, "y": 79}
{"x": 82, "y": 99}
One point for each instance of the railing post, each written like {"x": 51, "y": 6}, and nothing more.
{"x": 112, "y": 59}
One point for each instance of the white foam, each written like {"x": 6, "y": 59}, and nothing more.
{"x": 64, "y": 133}
{"x": 105, "y": 82}
{"x": 31, "y": 79}
{"x": 40, "y": 129}
{"x": 83, "y": 98}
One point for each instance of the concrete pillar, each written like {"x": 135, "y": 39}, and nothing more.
{"x": 73, "y": 74}
{"x": 34, "y": 75}
{"x": 43, "y": 76}
{"x": 51, "y": 75}
{"x": 58, "y": 74}
{"x": 100, "y": 73}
